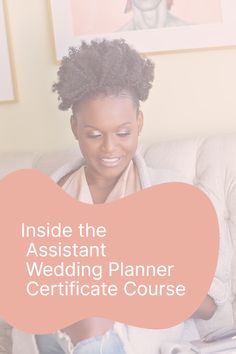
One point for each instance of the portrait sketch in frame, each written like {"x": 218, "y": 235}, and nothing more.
{"x": 202, "y": 24}
{"x": 6, "y": 79}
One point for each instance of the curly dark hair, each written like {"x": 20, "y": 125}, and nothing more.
{"x": 105, "y": 67}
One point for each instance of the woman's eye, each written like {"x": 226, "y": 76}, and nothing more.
{"x": 123, "y": 134}
{"x": 94, "y": 135}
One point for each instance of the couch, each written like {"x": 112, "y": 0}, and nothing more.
{"x": 207, "y": 162}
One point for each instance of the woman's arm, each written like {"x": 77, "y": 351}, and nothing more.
{"x": 206, "y": 310}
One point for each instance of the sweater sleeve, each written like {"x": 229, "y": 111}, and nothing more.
{"x": 220, "y": 288}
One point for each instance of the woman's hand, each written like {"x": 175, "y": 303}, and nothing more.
{"x": 206, "y": 310}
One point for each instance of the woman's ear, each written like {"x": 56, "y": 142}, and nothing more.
{"x": 140, "y": 121}
{"x": 73, "y": 124}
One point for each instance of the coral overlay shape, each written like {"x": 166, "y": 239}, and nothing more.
{"x": 171, "y": 226}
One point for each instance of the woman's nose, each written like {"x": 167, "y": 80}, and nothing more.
{"x": 109, "y": 144}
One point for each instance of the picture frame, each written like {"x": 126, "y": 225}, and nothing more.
{"x": 184, "y": 37}
{"x": 6, "y": 78}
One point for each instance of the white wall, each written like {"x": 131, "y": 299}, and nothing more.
{"x": 194, "y": 91}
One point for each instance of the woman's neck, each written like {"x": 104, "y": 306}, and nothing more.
{"x": 99, "y": 186}
{"x": 94, "y": 179}
{"x": 150, "y": 19}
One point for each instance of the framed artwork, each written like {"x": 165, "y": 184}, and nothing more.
{"x": 177, "y": 25}
{"x": 6, "y": 79}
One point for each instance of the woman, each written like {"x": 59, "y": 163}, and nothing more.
{"x": 103, "y": 84}
{"x": 151, "y": 14}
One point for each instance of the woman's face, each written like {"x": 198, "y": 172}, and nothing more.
{"x": 107, "y": 129}
{"x": 147, "y": 5}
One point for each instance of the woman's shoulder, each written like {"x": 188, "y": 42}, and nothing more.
{"x": 61, "y": 182}
{"x": 61, "y": 174}
{"x": 161, "y": 175}
{"x": 151, "y": 176}
{"x": 173, "y": 21}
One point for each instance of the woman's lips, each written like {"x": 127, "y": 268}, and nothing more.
{"x": 110, "y": 161}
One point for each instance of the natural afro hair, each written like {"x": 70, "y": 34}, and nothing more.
{"x": 106, "y": 67}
